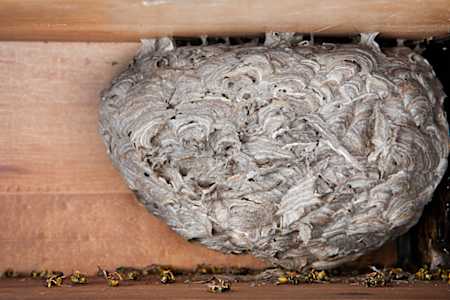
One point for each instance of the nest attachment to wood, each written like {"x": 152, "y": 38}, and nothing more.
{"x": 304, "y": 155}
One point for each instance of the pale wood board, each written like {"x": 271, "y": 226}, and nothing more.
{"x": 16, "y": 289}
{"x": 130, "y": 20}
{"x": 62, "y": 204}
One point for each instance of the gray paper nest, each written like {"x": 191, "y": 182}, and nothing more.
{"x": 304, "y": 155}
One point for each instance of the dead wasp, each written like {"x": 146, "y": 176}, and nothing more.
{"x": 113, "y": 279}
{"x": 398, "y": 274}
{"x": 56, "y": 279}
{"x": 289, "y": 278}
{"x": 219, "y": 286}
{"x": 44, "y": 274}
{"x": 34, "y": 274}
{"x": 441, "y": 274}
{"x": 423, "y": 274}
{"x": 133, "y": 275}
{"x": 314, "y": 276}
{"x": 376, "y": 278}
{"x": 166, "y": 276}
{"x": 10, "y": 273}
{"x": 152, "y": 270}
{"x": 78, "y": 278}
{"x": 282, "y": 279}
{"x": 129, "y": 273}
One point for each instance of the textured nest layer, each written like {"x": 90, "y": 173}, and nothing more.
{"x": 304, "y": 155}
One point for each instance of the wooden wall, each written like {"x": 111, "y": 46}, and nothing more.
{"x": 129, "y": 20}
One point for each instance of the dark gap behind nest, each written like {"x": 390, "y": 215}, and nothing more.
{"x": 317, "y": 39}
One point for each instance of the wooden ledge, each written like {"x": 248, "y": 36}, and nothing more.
{"x": 120, "y": 20}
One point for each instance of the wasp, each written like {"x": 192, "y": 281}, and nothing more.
{"x": 289, "y": 278}
{"x": 55, "y": 279}
{"x": 219, "y": 286}
{"x": 44, "y": 274}
{"x": 113, "y": 279}
{"x": 441, "y": 274}
{"x": 423, "y": 274}
{"x": 315, "y": 275}
{"x": 398, "y": 274}
{"x": 35, "y": 274}
{"x": 133, "y": 275}
{"x": 10, "y": 273}
{"x": 166, "y": 276}
{"x": 375, "y": 279}
{"x": 78, "y": 278}
{"x": 129, "y": 273}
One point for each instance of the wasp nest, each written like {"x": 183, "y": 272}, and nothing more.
{"x": 304, "y": 155}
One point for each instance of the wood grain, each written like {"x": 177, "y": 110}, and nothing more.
{"x": 12, "y": 289}
{"x": 119, "y": 20}
{"x": 49, "y": 96}
{"x": 80, "y": 231}
{"x": 63, "y": 205}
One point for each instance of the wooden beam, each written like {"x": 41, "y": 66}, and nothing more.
{"x": 81, "y": 231}
{"x": 149, "y": 289}
{"x": 130, "y": 20}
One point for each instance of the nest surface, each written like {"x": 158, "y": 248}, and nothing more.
{"x": 304, "y": 155}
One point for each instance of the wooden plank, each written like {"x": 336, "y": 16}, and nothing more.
{"x": 13, "y": 289}
{"x": 119, "y": 20}
{"x": 79, "y": 231}
{"x": 49, "y": 95}
{"x": 62, "y": 203}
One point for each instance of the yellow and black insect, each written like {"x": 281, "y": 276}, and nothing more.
{"x": 133, "y": 275}
{"x": 44, "y": 274}
{"x": 113, "y": 279}
{"x": 315, "y": 276}
{"x": 289, "y": 278}
{"x": 78, "y": 278}
{"x": 297, "y": 278}
{"x": 166, "y": 276}
{"x": 55, "y": 279}
{"x": 129, "y": 273}
{"x": 10, "y": 273}
{"x": 219, "y": 286}
{"x": 398, "y": 274}
{"x": 441, "y": 274}
{"x": 424, "y": 274}
{"x": 375, "y": 279}
{"x": 35, "y": 274}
